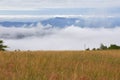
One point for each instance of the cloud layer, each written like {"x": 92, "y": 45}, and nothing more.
{"x": 68, "y": 38}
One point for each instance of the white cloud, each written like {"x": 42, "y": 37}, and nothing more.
{"x": 36, "y": 4}
{"x": 25, "y": 32}
{"x": 69, "y": 38}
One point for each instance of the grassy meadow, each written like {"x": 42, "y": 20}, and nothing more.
{"x": 60, "y": 65}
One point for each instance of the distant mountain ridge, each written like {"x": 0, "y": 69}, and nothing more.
{"x": 61, "y": 22}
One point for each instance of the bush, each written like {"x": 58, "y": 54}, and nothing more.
{"x": 87, "y": 49}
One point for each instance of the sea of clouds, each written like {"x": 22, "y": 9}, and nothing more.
{"x": 49, "y": 38}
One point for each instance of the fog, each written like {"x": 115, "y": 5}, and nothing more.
{"x": 49, "y": 38}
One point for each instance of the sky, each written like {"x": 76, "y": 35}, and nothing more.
{"x": 48, "y": 7}
{"x": 37, "y": 4}
{"x": 73, "y": 37}
{"x": 36, "y": 7}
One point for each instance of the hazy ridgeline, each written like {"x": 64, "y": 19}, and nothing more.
{"x": 60, "y": 65}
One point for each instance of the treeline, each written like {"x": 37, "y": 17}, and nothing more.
{"x": 103, "y": 47}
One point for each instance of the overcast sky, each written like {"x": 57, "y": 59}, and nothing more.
{"x": 37, "y": 4}
{"x": 71, "y": 38}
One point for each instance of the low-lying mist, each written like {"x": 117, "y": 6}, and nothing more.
{"x": 49, "y": 38}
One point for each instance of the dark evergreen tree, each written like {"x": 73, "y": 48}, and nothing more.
{"x": 2, "y": 47}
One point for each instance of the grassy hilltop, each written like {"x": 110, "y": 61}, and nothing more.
{"x": 60, "y": 65}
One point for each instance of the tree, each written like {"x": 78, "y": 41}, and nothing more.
{"x": 2, "y": 47}
{"x": 103, "y": 47}
{"x": 114, "y": 46}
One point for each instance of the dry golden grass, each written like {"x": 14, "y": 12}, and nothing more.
{"x": 60, "y": 65}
